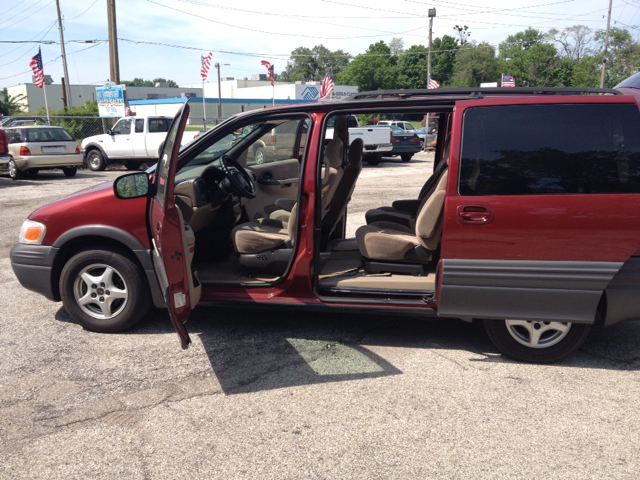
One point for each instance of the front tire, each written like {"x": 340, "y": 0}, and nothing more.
{"x": 259, "y": 155}
{"x": 104, "y": 291}
{"x": 70, "y": 171}
{"x": 14, "y": 172}
{"x": 95, "y": 161}
{"x": 536, "y": 341}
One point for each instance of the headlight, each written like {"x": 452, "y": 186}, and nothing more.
{"x": 32, "y": 232}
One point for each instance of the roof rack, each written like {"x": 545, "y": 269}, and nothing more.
{"x": 482, "y": 91}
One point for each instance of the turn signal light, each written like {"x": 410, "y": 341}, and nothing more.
{"x": 32, "y": 232}
{"x": 24, "y": 151}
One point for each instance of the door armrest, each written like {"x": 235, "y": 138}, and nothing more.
{"x": 285, "y": 204}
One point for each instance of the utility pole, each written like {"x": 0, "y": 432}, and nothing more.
{"x": 114, "y": 62}
{"x": 432, "y": 14}
{"x": 67, "y": 88}
{"x": 604, "y": 49}
{"x": 217, "y": 65}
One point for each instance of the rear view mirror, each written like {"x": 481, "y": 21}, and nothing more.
{"x": 133, "y": 185}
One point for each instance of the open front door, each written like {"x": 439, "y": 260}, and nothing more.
{"x": 169, "y": 259}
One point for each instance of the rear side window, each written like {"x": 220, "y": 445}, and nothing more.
{"x": 159, "y": 125}
{"x": 550, "y": 149}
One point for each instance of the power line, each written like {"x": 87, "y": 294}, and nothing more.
{"x": 32, "y": 40}
{"x": 21, "y": 12}
{"x": 90, "y": 6}
{"x": 28, "y": 16}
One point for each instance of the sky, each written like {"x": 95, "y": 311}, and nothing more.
{"x": 241, "y": 34}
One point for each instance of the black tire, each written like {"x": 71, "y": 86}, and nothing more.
{"x": 14, "y": 172}
{"x": 129, "y": 165}
{"x": 95, "y": 161}
{"x": 374, "y": 159}
{"x": 70, "y": 171}
{"x": 33, "y": 171}
{"x": 259, "y": 156}
{"x": 406, "y": 157}
{"x": 500, "y": 335}
{"x": 128, "y": 279}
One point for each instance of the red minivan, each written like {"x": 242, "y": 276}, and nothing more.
{"x": 530, "y": 220}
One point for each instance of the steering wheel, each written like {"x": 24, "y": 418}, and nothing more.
{"x": 239, "y": 179}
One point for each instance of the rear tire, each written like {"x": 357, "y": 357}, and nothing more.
{"x": 374, "y": 159}
{"x": 259, "y": 155}
{"x": 14, "y": 172}
{"x": 95, "y": 161}
{"x": 70, "y": 171}
{"x": 406, "y": 157}
{"x": 129, "y": 165}
{"x": 536, "y": 341}
{"x": 104, "y": 291}
{"x": 33, "y": 171}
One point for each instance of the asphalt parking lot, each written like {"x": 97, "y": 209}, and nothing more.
{"x": 279, "y": 395}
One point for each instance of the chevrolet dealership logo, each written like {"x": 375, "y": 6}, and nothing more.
{"x": 310, "y": 93}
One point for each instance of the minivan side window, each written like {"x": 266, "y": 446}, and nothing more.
{"x": 550, "y": 149}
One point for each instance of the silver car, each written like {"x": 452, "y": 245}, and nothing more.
{"x": 41, "y": 147}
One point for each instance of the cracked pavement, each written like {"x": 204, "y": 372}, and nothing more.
{"x": 278, "y": 394}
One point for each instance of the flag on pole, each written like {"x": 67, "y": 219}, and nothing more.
{"x": 38, "y": 71}
{"x": 206, "y": 64}
{"x": 270, "y": 69}
{"x": 433, "y": 83}
{"x": 327, "y": 86}
{"x": 508, "y": 80}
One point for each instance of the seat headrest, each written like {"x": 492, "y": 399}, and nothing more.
{"x": 355, "y": 152}
{"x": 333, "y": 153}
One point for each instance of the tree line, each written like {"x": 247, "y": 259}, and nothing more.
{"x": 568, "y": 58}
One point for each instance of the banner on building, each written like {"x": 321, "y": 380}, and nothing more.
{"x": 110, "y": 100}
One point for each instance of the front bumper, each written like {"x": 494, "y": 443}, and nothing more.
{"x": 4, "y": 162}
{"x": 33, "y": 266}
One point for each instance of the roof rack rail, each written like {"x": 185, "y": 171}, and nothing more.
{"x": 482, "y": 91}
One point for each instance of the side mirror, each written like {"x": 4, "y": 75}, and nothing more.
{"x": 109, "y": 132}
{"x": 132, "y": 185}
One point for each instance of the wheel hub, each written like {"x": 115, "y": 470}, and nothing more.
{"x": 101, "y": 291}
{"x": 537, "y": 334}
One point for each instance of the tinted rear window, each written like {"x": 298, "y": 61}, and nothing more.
{"x": 159, "y": 125}
{"x": 550, "y": 149}
{"x": 44, "y": 134}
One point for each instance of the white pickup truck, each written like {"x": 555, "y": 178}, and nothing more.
{"x": 377, "y": 140}
{"x": 132, "y": 141}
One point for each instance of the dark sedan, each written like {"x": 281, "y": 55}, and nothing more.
{"x": 404, "y": 143}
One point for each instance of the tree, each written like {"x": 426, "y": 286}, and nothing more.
{"x": 623, "y": 56}
{"x": 396, "y": 45}
{"x": 312, "y": 64}
{"x": 443, "y": 58}
{"x": 573, "y": 42}
{"x": 413, "y": 64}
{"x": 10, "y": 105}
{"x": 475, "y": 63}
{"x": 463, "y": 33}
{"x": 586, "y": 73}
{"x": 141, "y": 82}
{"x": 374, "y": 70}
{"x": 518, "y": 43}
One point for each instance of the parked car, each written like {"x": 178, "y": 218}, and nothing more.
{"x": 132, "y": 141}
{"x": 425, "y": 137}
{"x": 24, "y": 120}
{"x": 531, "y": 228}
{"x": 376, "y": 138}
{"x": 4, "y": 151}
{"x": 404, "y": 144}
{"x": 35, "y": 148}
{"x": 407, "y": 126}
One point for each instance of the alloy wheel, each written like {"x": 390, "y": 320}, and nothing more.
{"x": 100, "y": 291}
{"x": 537, "y": 334}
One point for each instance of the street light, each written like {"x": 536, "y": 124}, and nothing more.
{"x": 217, "y": 65}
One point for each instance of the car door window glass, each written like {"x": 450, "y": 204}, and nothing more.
{"x": 159, "y": 125}
{"x": 276, "y": 145}
{"x": 140, "y": 125}
{"x": 123, "y": 127}
{"x": 550, "y": 149}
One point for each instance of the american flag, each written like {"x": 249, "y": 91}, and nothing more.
{"x": 327, "y": 86}
{"x": 38, "y": 71}
{"x": 433, "y": 83}
{"x": 508, "y": 80}
{"x": 206, "y": 63}
{"x": 270, "y": 69}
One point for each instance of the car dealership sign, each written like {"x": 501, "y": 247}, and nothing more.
{"x": 110, "y": 100}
